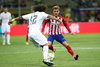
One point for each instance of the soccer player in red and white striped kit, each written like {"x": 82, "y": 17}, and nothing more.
{"x": 55, "y": 32}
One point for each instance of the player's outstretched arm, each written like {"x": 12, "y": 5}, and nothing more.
{"x": 0, "y": 22}
{"x": 52, "y": 17}
{"x": 17, "y": 18}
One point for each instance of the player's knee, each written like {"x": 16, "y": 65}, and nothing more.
{"x": 49, "y": 43}
{"x": 3, "y": 33}
{"x": 65, "y": 43}
{"x": 7, "y": 32}
{"x": 46, "y": 44}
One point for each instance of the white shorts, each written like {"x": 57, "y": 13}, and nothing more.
{"x": 37, "y": 38}
{"x": 5, "y": 28}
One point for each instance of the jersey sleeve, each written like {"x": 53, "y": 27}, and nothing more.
{"x": 10, "y": 16}
{"x": 66, "y": 25}
{"x": 26, "y": 17}
{"x": 45, "y": 15}
{"x": 44, "y": 23}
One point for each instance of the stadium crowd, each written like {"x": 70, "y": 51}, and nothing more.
{"x": 80, "y": 11}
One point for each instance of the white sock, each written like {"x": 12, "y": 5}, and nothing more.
{"x": 45, "y": 52}
{"x": 8, "y": 38}
{"x": 3, "y": 37}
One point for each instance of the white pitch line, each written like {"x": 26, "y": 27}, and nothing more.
{"x": 58, "y": 49}
{"x": 75, "y": 48}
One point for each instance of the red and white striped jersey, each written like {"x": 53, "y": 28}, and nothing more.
{"x": 54, "y": 26}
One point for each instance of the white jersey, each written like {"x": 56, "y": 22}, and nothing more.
{"x": 5, "y": 17}
{"x": 35, "y": 19}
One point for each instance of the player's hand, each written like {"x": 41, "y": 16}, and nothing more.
{"x": 10, "y": 22}
{"x": 43, "y": 33}
{"x": 60, "y": 21}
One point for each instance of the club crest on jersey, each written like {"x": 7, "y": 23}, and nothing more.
{"x": 54, "y": 23}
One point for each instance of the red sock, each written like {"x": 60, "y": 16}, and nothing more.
{"x": 51, "y": 48}
{"x": 27, "y": 38}
{"x": 70, "y": 50}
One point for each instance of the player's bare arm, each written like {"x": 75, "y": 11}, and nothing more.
{"x": 17, "y": 18}
{"x": 0, "y": 22}
{"x": 52, "y": 17}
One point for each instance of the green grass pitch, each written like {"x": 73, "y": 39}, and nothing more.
{"x": 18, "y": 54}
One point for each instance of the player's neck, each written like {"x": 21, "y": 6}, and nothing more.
{"x": 56, "y": 16}
{"x": 5, "y": 12}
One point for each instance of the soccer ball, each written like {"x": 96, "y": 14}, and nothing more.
{"x": 50, "y": 56}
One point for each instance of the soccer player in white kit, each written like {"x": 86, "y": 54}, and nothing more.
{"x": 35, "y": 21}
{"x": 5, "y": 16}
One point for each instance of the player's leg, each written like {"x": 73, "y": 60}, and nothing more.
{"x": 8, "y": 38}
{"x": 3, "y": 37}
{"x": 42, "y": 41}
{"x": 70, "y": 50}
{"x": 50, "y": 42}
{"x": 3, "y": 34}
{"x": 27, "y": 37}
{"x": 8, "y": 34}
{"x": 45, "y": 55}
{"x": 51, "y": 46}
{"x": 36, "y": 41}
{"x": 62, "y": 40}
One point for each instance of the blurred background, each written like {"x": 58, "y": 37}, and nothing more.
{"x": 84, "y": 20}
{"x": 76, "y": 10}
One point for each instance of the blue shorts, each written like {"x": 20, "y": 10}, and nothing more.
{"x": 58, "y": 38}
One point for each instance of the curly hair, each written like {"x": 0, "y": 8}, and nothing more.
{"x": 40, "y": 8}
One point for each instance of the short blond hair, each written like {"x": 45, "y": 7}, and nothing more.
{"x": 56, "y": 7}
